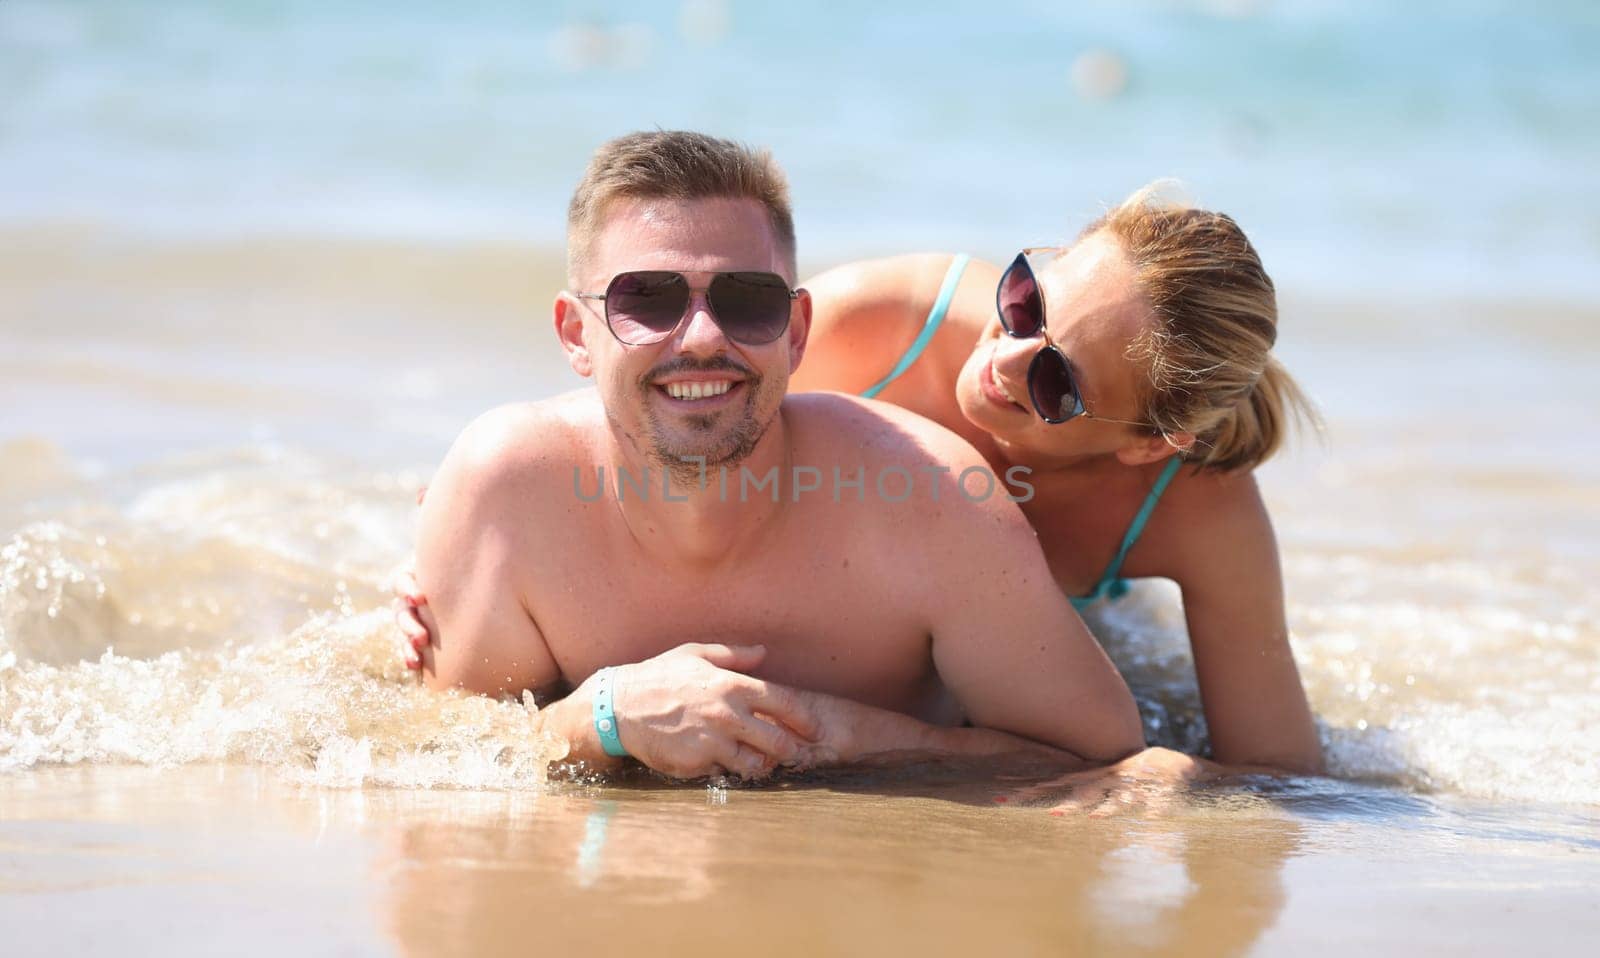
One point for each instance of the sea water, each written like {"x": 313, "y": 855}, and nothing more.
{"x": 260, "y": 262}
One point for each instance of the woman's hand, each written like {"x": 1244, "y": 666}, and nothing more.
{"x": 413, "y": 618}
{"x": 1152, "y": 780}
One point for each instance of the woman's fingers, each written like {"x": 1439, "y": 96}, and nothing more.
{"x": 406, "y": 620}
{"x": 416, "y": 627}
{"x": 409, "y": 650}
{"x": 430, "y": 628}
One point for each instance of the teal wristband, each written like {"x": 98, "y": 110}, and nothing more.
{"x": 605, "y": 716}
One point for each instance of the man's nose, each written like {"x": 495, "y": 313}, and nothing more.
{"x": 700, "y": 334}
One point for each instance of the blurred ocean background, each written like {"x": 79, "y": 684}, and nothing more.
{"x": 1401, "y": 147}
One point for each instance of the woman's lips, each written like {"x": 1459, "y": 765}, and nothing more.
{"x": 992, "y": 389}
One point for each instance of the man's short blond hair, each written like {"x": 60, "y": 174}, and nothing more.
{"x": 675, "y": 165}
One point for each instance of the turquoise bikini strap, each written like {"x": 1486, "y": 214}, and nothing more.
{"x": 947, "y": 292}
{"x": 1136, "y": 529}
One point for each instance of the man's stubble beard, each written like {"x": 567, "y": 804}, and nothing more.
{"x": 682, "y": 460}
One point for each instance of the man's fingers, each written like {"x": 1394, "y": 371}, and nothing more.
{"x": 786, "y": 705}
{"x": 746, "y": 762}
{"x": 779, "y": 745}
{"x": 734, "y": 658}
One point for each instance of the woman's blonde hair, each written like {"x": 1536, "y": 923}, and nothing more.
{"x": 1209, "y": 349}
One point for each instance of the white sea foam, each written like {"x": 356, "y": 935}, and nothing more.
{"x": 231, "y": 608}
{"x": 223, "y": 631}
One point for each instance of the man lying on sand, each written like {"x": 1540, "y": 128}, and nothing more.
{"x": 696, "y": 570}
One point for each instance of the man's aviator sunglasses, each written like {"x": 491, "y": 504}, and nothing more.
{"x": 1051, "y": 385}
{"x": 645, "y": 306}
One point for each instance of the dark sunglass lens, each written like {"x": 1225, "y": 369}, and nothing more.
{"x": 1050, "y": 386}
{"x": 1021, "y": 308}
{"x": 751, "y": 308}
{"x": 643, "y": 306}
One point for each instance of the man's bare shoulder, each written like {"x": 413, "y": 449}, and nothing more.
{"x": 952, "y": 490}
{"x": 523, "y": 447}
{"x": 838, "y": 424}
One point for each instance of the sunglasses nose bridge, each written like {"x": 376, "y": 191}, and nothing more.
{"x": 698, "y": 329}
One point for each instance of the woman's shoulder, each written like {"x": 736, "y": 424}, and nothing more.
{"x": 1203, "y": 511}
{"x": 867, "y": 314}
{"x": 882, "y": 282}
{"x": 1205, "y": 496}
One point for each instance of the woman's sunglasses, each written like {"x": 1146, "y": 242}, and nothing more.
{"x": 644, "y": 306}
{"x": 1051, "y": 386}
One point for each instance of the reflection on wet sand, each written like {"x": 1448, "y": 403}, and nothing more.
{"x": 96, "y": 858}
{"x": 834, "y": 869}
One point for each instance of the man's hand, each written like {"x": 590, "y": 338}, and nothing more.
{"x": 691, "y": 712}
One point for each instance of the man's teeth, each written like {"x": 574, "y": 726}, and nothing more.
{"x": 697, "y": 390}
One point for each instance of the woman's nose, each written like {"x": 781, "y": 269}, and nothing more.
{"x": 1012, "y": 356}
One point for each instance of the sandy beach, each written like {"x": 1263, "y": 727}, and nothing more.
{"x": 260, "y": 264}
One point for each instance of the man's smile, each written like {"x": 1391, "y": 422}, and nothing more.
{"x": 700, "y": 390}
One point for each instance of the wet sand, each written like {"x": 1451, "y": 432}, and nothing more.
{"x": 203, "y": 859}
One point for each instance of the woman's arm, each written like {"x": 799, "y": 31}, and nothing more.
{"x": 1228, "y": 569}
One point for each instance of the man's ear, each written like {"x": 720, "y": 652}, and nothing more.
{"x": 1145, "y": 449}
{"x": 569, "y": 329}
{"x": 799, "y": 328}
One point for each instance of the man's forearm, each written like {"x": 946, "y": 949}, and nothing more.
{"x": 856, "y": 733}
{"x": 853, "y": 733}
